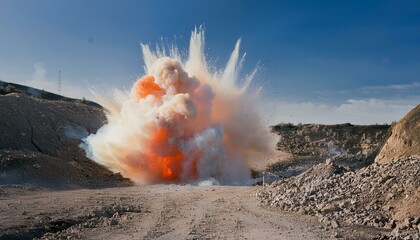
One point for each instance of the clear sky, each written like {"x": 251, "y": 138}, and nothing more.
{"x": 320, "y": 61}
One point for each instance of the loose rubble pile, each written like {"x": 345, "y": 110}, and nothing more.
{"x": 109, "y": 216}
{"x": 46, "y": 227}
{"x": 383, "y": 196}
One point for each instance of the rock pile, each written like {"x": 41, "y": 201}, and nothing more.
{"x": 45, "y": 226}
{"x": 101, "y": 217}
{"x": 383, "y": 196}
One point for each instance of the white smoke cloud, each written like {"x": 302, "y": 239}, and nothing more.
{"x": 40, "y": 72}
{"x": 181, "y": 122}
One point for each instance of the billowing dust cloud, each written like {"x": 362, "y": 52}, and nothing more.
{"x": 181, "y": 122}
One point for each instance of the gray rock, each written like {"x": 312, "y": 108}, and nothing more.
{"x": 396, "y": 232}
{"x": 114, "y": 222}
{"x": 408, "y": 221}
{"x": 334, "y": 224}
{"x": 329, "y": 208}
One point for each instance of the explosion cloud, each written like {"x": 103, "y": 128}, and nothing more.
{"x": 181, "y": 122}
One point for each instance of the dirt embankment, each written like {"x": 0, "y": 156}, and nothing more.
{"x": 39, "y": 144}
{"x": 7, "y": 88}
{"x": 404, "y": 140}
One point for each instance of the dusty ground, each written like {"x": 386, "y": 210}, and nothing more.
{"x": 148, "y": 212}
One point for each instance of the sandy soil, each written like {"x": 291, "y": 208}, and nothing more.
{"x": 150, "y": 212}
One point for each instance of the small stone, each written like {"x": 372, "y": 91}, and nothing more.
{"x": 337, "y": 235}
{"x": 391, "y": 224}
{"x": 408, "y": 221}
{"x": 301, "y": 211}
{"x": 387, "y": 208}
{"x": 396, "y": 232}
{"x": 389, "y": 196}
{"x": 106, "y": 222}
{"x": 334, "y": 224}
{"x": 329, "y": 208}
{"x": 328, "y": 161}
{"x": 114, "y": 222}
{"x": 323, "y": 219}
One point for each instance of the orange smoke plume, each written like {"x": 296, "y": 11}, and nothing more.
{"x": 146, "y": 86}
{"x": 180, "y": 122}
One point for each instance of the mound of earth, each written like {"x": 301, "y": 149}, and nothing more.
{"x": 39, "y": 144}
{"x": 404, "y": 140}
{"x": 385, "y": 196}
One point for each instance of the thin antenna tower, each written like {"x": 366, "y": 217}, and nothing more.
{"x": 59, "y": 82}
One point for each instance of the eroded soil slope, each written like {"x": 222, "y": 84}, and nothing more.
{"x": 39, "y": 143}
{"x": 404, "y": 140}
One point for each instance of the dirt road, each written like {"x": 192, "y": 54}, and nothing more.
{"x": 149, "y": 212}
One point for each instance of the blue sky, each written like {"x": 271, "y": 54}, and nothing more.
{"x": 320, "y": 61}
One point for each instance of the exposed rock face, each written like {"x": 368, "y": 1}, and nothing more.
{"x": 354, "y": 146}
{"x": 39, "y": 143}
{"x": 330, "y": 140}
{"x": 404, "y": 140}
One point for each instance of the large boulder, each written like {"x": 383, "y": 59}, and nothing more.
{"x": 404, "y": 140}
